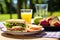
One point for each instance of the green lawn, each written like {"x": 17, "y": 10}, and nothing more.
{"x": 4, "y": 17}
{"x": 56, "y": 14}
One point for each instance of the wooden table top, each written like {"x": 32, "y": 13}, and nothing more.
{"x": 4, "y": 36}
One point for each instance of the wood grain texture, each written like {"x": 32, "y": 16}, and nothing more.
{"x": 4, "y": 36}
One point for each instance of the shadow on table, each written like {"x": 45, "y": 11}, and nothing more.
{"x": 32, "y": 36}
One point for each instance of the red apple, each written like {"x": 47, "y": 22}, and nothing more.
{"x": 49, "y": 18}
{"x": 44, "y": 23}
{"x": 57, "y": 24}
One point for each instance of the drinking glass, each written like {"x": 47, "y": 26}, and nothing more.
{"x": 41, "y": 10}
{"x": 26, "y": 14}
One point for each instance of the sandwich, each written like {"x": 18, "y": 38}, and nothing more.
{"x": 15, "y": 24}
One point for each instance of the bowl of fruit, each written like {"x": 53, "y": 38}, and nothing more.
{"x": 50, "y": 23}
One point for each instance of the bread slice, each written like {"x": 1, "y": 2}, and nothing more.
{"x": 34, "y": 27}
{"x": 15, "y": 21}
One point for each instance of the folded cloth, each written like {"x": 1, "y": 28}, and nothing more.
{"x": 49, "y": 34}
{"x": 1, "y": 25}
{"x": 52, "y": 34}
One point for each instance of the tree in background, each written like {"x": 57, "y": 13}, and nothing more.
{"x": 8, "y": 5}
{"x": 51, "y": 6}
{"x": 1, "y": 9}
{"x": 19, "y": 6}
{"x": 57, "y": 5}
{"x": 32, "y": 6}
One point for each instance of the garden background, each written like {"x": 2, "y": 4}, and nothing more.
{"x": 10, "y": 9}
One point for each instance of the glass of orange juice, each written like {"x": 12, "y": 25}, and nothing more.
{"x": 26, "y": 14}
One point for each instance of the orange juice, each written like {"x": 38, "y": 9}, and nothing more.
{"x": 27, "y": 17}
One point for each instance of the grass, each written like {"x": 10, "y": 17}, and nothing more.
{"x": 56, "y": 14}
{"x": 4, "y": 17}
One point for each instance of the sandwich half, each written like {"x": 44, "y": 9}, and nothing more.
{"x": 15, "y": 24}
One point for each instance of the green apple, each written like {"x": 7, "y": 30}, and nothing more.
{"x": 37, "y": 20}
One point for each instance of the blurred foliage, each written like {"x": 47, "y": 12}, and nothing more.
{"x": 10, "y": 6}
{"x": 53, "y": 5}
{"x": 8, "y": 1}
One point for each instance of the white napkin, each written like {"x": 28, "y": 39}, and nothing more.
{"x": 1, "y": 25}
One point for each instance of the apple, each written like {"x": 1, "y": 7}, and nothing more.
{"x": 44, "y": 23}
{"x": 37, "y": 20}
{"x": 56, "y": 24}
{"x": 49, "y": 19}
